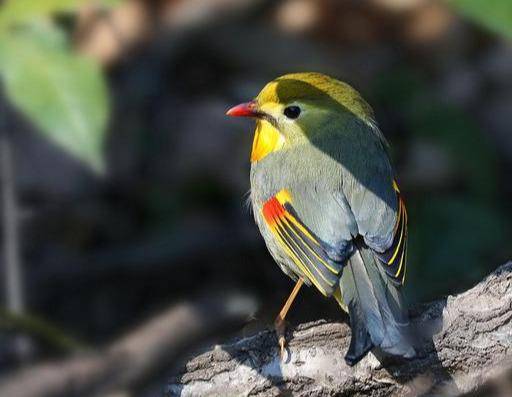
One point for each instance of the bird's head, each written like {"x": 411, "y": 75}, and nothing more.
{"x": 297, "y": 108}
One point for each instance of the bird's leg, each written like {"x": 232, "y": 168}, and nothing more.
{"x": 279, "y": 323}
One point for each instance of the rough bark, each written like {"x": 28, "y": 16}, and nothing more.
{"x": 463, "y": 342}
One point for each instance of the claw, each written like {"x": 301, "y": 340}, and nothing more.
{"x": 280, "y": 324}
{"x": 282, "y": 342}
{"x": 280, "y": 327}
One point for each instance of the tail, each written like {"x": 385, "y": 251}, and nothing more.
{"x": 378, "y": 316}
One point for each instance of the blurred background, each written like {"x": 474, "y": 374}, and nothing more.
{"x": 123, "y": 184}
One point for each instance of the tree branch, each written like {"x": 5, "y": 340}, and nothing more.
{"x": 463, "y": 342}
{"x": 137, "y": 357}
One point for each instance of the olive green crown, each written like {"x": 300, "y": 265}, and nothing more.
{"x": 318, "y": 88}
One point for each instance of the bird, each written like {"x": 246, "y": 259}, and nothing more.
{"x": 326, "y": 200}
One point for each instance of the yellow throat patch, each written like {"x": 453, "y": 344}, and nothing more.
{"x": 267, "y": 139}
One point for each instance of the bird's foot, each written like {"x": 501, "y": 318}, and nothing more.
{"x": 280, "y": 327}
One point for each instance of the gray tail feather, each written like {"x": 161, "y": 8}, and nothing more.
{"x": 377, "y": 313}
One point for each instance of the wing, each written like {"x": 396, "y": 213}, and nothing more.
{"x": 395, "y": 257}
{"x": 315, "y": 259}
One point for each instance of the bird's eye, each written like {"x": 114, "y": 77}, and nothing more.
{"x": 292, "y": 112}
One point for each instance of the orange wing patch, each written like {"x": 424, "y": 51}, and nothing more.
{"x": 307, "y": 252}
{"x": 395, "y": 257}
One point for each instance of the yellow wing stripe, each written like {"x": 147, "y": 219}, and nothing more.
{"x": 284, "y": 197}
{"x": 394, "y": 259}
{"x": 399, "y": 245}
{"x": 395, "y": 186}
{"x": 307, "y": 258}
{"x": 296, "y": 259}
{"x": 304, "y": 249}
{"x": 301, "y": 228}
{"x": 402, "y": 259}
{"x": 325, "y": 263}
{"x": 305, "y": 254}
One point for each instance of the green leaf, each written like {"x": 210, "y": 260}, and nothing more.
{"x": 495, "y": 15}
{"x": 63, "y": 94}
{"x": 43, "y": 32}
{"x": 22, "y": 11}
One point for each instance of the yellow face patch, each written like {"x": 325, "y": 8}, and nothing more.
{"x": 267, "y": 139}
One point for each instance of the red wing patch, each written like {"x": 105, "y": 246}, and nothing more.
{"x": 306, "y": 251}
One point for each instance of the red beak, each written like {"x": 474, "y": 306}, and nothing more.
{"x": 247, "y": 109}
